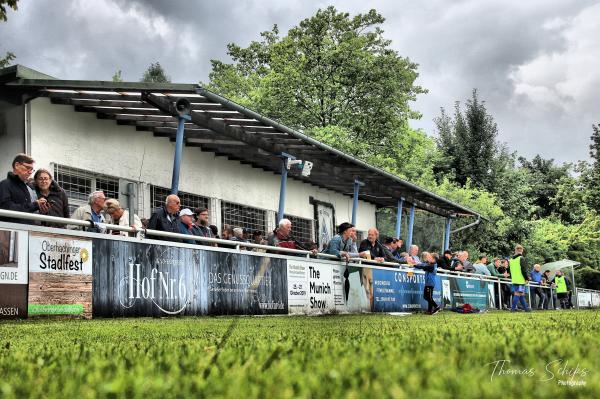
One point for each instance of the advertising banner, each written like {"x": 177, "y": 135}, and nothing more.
{"x": 401, "y": 291}
{"x": 588, "y": 299}
{"x": 310, "y": 287}
{"x": 140, "y": 279}
{"x": 13, "y": 274}
{"x": 317, "y": 288}
{"x": 60, "y": 275}
{"x": 474, "y": 292}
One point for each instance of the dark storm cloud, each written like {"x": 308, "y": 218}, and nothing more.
{"x": 534, "y": 62}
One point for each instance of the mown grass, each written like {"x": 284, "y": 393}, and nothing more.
{"x": 359, "y": 356}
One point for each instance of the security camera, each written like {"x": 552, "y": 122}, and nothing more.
{"x": 293, "y": 162}
{"x": 306, "y": 168}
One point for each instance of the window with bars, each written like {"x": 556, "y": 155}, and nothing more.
{"x": 158, "y": 195}
{"x": 246, "y": 217}
{"x": 360, "y": 235}
{"x": 79, "y": 184}
{"x": 302, "y": 229}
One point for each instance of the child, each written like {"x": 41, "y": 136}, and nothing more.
{"x": 429, "y": 265}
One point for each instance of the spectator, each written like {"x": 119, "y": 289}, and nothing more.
{"x": 481, "y": 267}
{"x": 341, "y": 243}
{"x": 227, "y": 232}
{"x": 536, "y": 277}
{"x": 449, "y": 262}
{"x": 16, "y": 195}
{"x": 257, "y": 238}
{"x": 165, "y": 218}
{"x": 430, "y": 267}
{"x": 550, "y": 292}
{"x": 493, "y": 268}
{"x": 391, "y": 244}
{"x": 187, "y": 226}
{"x": 463, "y": 258}
{"x": 238, "y": 235}
{"x": 371, "y": 248}
{"x": 201, "y": 215}
{"x": 214, "y": 230}
{"x": 518, "y": 273}
{"x": 562, "y": 289}
{"x": 92, "y": 212}
{"x": 56, "y": 198}
{"x": 504, "y": 272}
{"x": 399, "y": 247}
{"x": 120, "y": 217}
{"x": 282, "y": 237}
{"x": 413, "y": 253}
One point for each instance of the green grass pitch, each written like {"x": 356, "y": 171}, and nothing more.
{"x": 352, "y": 356}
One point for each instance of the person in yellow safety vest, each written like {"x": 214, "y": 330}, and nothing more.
{"x": 518, "y": 275}
{"x": 562, "y": 288}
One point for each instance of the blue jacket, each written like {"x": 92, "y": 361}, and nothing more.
{"x": 183, "y": 229}
{"x": 536, "y": 276}
{"x": 336, "y": 245}
{"x": 430, "y": 272}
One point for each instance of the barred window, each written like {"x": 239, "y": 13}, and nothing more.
{"x": 302, "y": 229}
{"x": 79, "y": 184}
{"x": 246, "y": 217}
{"x": 158, "y": 195}
{"x": 360, "y": 235}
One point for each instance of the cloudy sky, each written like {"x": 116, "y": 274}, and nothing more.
{"x": 536, "y": 63}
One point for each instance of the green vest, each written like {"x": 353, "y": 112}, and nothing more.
{"x": 515, "y": 271}
{"x": 561, "y": 285}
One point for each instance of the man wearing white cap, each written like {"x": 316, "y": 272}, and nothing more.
{"x": 187, "y": 226}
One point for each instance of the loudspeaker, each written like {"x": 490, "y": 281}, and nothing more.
{"x": 183, "y": 106}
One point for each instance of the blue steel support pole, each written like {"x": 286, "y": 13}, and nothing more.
{"x": 399, "y": 217}
{"x": 282, "y": 188}
{"x": 447, "y": 234}
{"x": 357, "y": 185}
{"x": 411, "y": 224}
{"x": 178, "y": 154}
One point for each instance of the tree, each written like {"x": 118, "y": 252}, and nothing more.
{"x": 593, "y": 176}
{"x": 469, "y": 146}
{"x": 544, "y": 178}
{"x": 569, "y": 203}
{"x": 3, "y": 4}
{"x": 155, "y": 74}
{"x": 332, "y": 70}
{"x": 6, "y": 60}
{"x": 117, "y": 76}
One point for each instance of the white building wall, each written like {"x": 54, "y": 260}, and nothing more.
{"x": 80, "y": 140}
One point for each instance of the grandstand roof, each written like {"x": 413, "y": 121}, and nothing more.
{"x": 227, "y": 129}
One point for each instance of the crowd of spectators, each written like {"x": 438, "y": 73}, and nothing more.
{"x": 41, "y": 194}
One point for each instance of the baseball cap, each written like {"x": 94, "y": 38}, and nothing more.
{"x": 186, "y": 212}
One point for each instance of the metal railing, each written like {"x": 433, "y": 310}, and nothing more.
{"x": 241, "y": 246}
